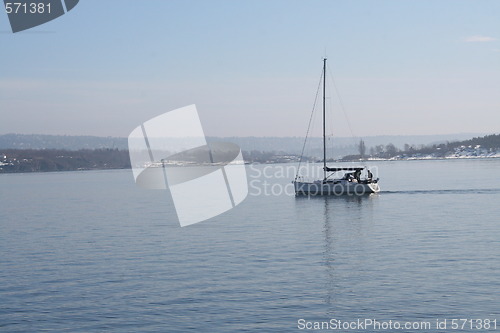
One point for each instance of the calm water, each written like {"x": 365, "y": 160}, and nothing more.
{"x": 91, "y": 252}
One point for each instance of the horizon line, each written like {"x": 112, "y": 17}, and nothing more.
{"x": 263, "y": 137}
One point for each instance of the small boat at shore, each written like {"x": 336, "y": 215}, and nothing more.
{"x": 336, "y": 181}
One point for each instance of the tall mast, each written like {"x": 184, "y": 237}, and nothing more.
{"x": 324, "y": 119}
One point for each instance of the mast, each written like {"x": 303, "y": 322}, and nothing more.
{"x": 324, "y": 119}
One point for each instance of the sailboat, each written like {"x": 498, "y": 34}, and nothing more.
{"x": 352, "y": 181}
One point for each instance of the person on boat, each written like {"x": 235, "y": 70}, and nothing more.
{"x": 370, "y": 175}
{"x": 349, "y": 177}
{"x": 357, "y": 175}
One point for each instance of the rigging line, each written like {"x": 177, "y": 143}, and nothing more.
{"x": 342, "y": 104}
{"x": 309, "y": 125}
{"x": 331, "y": 127}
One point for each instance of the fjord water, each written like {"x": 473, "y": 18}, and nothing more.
{"x": 89, "y": 251}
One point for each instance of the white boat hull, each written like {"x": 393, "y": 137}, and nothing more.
{"x": 338, "y": 187}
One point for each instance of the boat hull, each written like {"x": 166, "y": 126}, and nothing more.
{"x": 335, "y": 188}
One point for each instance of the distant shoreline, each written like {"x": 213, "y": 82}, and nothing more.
{"x": 423, "y": 159}
{"x": 16, "y": 160}
{"x": 266, "y": 163}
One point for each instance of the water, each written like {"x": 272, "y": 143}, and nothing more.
{"x": 91, "y": 252}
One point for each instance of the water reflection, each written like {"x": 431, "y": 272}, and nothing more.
{"x": 346, "y": 226}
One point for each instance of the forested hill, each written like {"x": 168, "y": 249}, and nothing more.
{"x": 488, "y": 142}
{"x": 484, "y": 146}
{"x": 35, "y": 160}
{"x": 43, "y": 160}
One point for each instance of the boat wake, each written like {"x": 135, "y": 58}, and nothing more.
{"x": 450, "y": 191}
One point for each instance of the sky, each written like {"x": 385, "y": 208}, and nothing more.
{"x": 252, "y": 67}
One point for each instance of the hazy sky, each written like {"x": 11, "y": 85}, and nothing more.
{"x": 252, "y": 67}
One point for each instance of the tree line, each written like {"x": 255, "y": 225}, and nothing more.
{"x": 489, "y": 142}
{"x": 43, "y": 160}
